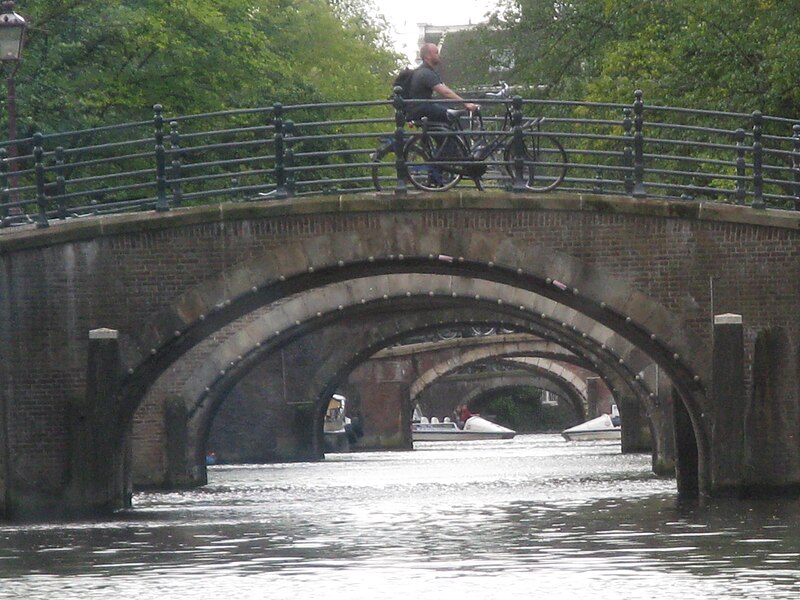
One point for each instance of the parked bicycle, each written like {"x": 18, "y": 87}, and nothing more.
{"x": 440, "y": 155}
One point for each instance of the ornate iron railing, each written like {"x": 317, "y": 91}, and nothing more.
{"x": 286, "y": 151}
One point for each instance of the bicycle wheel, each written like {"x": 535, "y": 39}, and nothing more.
{"x": 424, "y": 172}
{"x": 447, "y": 334}
{"x": 545, "y": 163}
{"x": 482, "y": 330}
{"x": 384, "y": 169}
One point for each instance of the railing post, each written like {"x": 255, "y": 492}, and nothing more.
{"x": 519, "y": 184}
{"x": 235, "y": 185}
{"x": 5, "y": 195}
{"x": 740, "y": 167}
{"x": 758, "y": 158}
{"x": 60, "y": 184}
{"x": 162, "y": 204}
{"x": 399, "y": 104}
{"x": 627, "y": 150}
{"x": 598, "y": 182}
{"x": 41, "y": 199}
{"x": 638, "y": 145}
{"x": 796, "y": 164}
{"x": 175, "y": 166}
{"x": 288, "y": 128}
{"x": 280, "y": 173}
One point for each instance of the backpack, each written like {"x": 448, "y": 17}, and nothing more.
{"x": 403, "y": 80}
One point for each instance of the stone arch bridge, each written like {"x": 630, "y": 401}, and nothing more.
{"x": 123, "y": 336}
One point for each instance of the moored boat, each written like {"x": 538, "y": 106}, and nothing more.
{"x": 475, "y": 428}
{"x": 604, "y": 427}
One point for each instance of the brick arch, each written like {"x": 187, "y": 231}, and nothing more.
{"x": 220, "y": 366}
{"x": 592, "y": 303}
{"x": 269, "y": 330}
{"x": 476, "y": 355}
{"x": 279, "y": 323}
{"x": 223, "y": 299}
{"x": 418, "y": 317}
{"x": 526, "y": 354}
{"x": 620, "y": 377}
{"x": 612, "y": 367}
{"x": 570, "y": 386}
{"x": 553, "y": 369}
{"x": 571, "y": 319}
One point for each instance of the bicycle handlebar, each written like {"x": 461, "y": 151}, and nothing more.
{"x": 502, "y": 93}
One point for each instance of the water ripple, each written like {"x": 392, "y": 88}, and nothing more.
{"x": 481, "y": 520}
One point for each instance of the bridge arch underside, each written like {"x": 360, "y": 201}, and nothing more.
{"x": 627, "y": 282}
{"x": 551, "y": 376}
{"x": 554, "y": 361}
{"x": 481, "y": 397}
{"x": 396, "y": 295}
{"x": 575, "y": 380}
{"x": 482, "y": 390}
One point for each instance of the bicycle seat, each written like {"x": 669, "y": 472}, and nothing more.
{"x": 453, "y": 114}
{"x": 424, "y": 123}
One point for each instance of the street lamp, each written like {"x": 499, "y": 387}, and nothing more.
{"x": 12, "y": 33}
{"x": 12, "y": 38}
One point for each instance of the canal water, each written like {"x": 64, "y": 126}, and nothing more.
{"x": 524, "y": 518}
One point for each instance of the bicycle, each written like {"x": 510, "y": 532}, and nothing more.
{"x": 438, "y": 178}
{"x": 442, "y": 154}
{"x": 384, "y": 162}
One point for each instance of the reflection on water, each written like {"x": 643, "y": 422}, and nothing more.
{"x": 505, "y": 519}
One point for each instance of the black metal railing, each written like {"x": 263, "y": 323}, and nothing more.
{"x": 284, "y": 151}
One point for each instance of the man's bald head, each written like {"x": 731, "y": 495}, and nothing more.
{"x": 429, "y": 53}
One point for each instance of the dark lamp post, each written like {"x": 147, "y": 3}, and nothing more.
{"x": 12, "y": 38}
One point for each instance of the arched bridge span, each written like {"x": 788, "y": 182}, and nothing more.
{"x": 638, "y": 280}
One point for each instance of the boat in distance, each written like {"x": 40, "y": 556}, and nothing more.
{"x": 475, "y": 428}
{"x": 604, "y": 427}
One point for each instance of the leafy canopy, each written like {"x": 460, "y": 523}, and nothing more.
{"x": 737, "y": 55}
{"x": 94, "y": 62}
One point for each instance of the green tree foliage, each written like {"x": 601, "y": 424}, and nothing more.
{"x": 93, "y": 62}
{"x": 720, "y": 54}
{"x": 727, "y": 55}
{"x": 553, "y": 44}
{"x": 521, "y": 409}
{"x": 468, "y": 60}
{"x": 506, "y": 410}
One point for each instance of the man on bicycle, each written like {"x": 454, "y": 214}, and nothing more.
{"x": 424, "y": 82}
